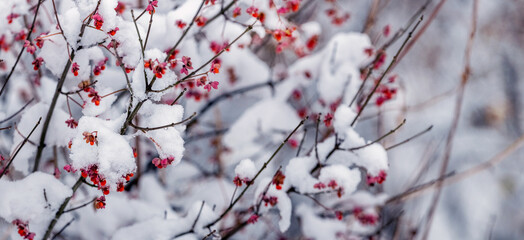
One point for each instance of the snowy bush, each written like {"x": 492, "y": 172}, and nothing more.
{"x": 194, "y": 119}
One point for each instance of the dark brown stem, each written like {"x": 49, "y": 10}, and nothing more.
{"x": 58, "y": 89}
{"x": 131, "y": 116}
{"x": 61, "y": 210}
{"x": 302, "y": 142}
{"x": 63, "y": 228}
{"x": 222, "y": 12}
{"x": 138, "y": 32}
{"x": 316, "y": 139}
{"x": 192, "y": 230}
{"x": 148, "y": 30}
{"x": 47, "y": 121}
{"x": 178, "y": 97}
{"x": 139, "y": 16}
{"x": 81, "y": 206}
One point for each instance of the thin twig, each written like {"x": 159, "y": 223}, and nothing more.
{"x": 58, "y": 89}
{"x": 162, "y": 127}
{"x": 370, "y": 20}
{"x": 178, "y": 97}
{"x": 301, "y": 142}
{"x": 79, "y": 90}
{"x": 23, "y": 48}
{"x": 19, "y": 148}
{"x": 208, "y": 235}
{"x": 150, "y": 85}
{"x": 451, "y": 178}
{"x": 382, "y": 49}
{"x": 198, "y": 215}
{"x": 377, "y": 140}
{"x": 230, "y": 94}
{"x": 81, "y": 206}
{"x": 316, "y": 138}
{"x": 148, "y": 29}
{"x": 17, "y": 112}
{"x": 63, "y": 228}
{"x": 185, "y": 31}
{"x": 256, "y": 176}
{"x": 249, "y": 28}
{"x": 192, "y": 230}
{"x": 139, "y": 16}
{"x": 385, "y": 72}
{"x": 423, "y": 28}
{"x": 119, "y": 59}
{"x": 222, "y": 12}
{"x": 206, "y": 135}
{"x": 61, "y": 209}
{"x": 454, "y": 125}
{"x": 266, "y": 189}
{"x": 410, "y": 138}
{"x": 138, "y": 32}
{"x": 60, "y": 25}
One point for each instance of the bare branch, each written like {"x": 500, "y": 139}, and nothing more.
{"x": 28, "y": 38}
{"x": 145, "y": 129}
{"x": 258, "y": 173}
{"x": 19, "y": 148}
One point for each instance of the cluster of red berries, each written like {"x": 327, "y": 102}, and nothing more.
{"x": 23, "y": 229}
{"x": 2, "y": 165}
{"x": 100, "y": 202}
{"x": 151, "y": 6}
{"x": 91, "y": 173}
{"x": 284, "y": 38}
{"x": 380, "y": 178}
{"x": 332, "y": 184}
{"x": 201, "y": 21}
{"x": 238, "y": 181}
{"x": 365, "y": 218}
{"x": 99, "y": 21}
{"x": 100, "y": 67}
{"x": 158, "y": 68}
{"x": 337, "y": 18}
{"x": 278, "y": 180}
{"x": 271, "y": 200}
{"x": 91, "y": 137}
{"x": 291, "y": 5}
{"x": 163, "y": 163}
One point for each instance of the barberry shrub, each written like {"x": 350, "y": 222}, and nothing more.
{"x": 200, "y": 118}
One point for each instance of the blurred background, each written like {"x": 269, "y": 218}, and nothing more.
{"x": 482, "y": 206}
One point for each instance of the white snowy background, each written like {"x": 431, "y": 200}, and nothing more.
{"x": 246, "y": 129}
